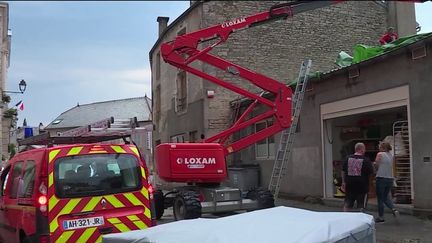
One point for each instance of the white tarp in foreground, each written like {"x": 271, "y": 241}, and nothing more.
{"x": 280, "y": 224}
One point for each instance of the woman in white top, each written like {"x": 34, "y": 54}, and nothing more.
{"x": 384, "y": 180}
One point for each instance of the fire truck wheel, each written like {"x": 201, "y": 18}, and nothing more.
{"x": 264, "y": 197}
{"x": 187, "y": 205}
{"x": 159, "y": 203}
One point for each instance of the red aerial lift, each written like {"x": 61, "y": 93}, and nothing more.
{"x": 202, "y": 165}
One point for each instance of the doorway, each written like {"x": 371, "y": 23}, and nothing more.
{"x": 391, "y": 125}
{"x": 368, "y": 118}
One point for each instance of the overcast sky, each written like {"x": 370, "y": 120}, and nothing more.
{"x": 84, "y": 52}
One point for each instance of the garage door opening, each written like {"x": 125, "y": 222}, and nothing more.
{"x": 342, "y": 133}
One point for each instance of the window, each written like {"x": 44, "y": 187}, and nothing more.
{"x": 4, "y": 178}
{"x": 181, "y": 95}
{"x": 265, "y": 148}
{"x": 182, "y": 31}
{"x": 16, "y": 176}
{"x": 181, "y": 91}
{"x": 193, "y": 136}
{"x": 28, "y": 180}
{"x": 178, "y": 138}
{"x": 95, "y": 175}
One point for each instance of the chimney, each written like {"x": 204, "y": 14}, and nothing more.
{"x": 163, "y": 23}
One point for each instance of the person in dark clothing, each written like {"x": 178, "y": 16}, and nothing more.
{"x": 357, "y": 169}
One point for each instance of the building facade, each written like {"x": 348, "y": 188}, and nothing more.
{"x": 275, "y": 49}
{"x": 383, "y": 98}
{"x": 183, "y": 110}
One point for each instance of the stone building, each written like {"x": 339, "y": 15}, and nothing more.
{"x": 5, "y": 46}
{"x": 182, "y": 108}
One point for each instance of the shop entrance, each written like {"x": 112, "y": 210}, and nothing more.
{"x": 342, "y": 133}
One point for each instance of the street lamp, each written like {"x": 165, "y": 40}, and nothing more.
{"x": 22, "y": 87}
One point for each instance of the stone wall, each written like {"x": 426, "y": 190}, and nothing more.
{"x": 277, "y": 49}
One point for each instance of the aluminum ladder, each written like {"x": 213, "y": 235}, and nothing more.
{"x": 287, "y": 137}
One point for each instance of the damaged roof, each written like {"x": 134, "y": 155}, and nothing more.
{"x": 82, "y": 115}
{"x": 391, "y": 51}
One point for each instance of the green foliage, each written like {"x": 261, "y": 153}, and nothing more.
{"x": 12, "y": 149}
{"x": 10, "y": 113}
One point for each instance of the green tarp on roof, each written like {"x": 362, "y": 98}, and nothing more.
{"x": 363, "y": 52}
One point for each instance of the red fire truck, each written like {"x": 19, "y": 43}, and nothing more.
{"x": 74, "y": 190}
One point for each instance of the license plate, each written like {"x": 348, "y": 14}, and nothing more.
{"x": 82, "y": 223}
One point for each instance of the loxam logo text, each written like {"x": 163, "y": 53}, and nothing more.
{"x": 233, "y": 22}
{"x": 198, "y": 161}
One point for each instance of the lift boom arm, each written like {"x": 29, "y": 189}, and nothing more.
{"x": 183, "y": 50}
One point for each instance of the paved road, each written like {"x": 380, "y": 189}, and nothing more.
{"x": 408, "y": 229}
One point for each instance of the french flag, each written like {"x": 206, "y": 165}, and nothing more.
{"x": 20, "y": 105}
